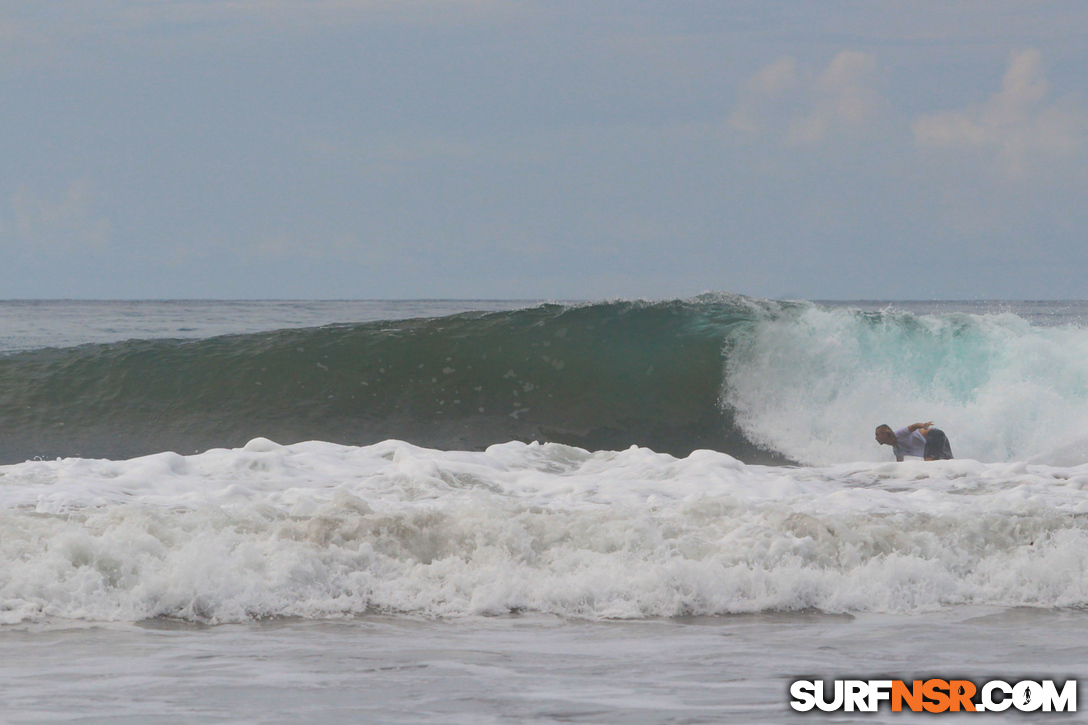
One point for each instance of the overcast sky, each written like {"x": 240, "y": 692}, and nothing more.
{"x": 532, "y": 149}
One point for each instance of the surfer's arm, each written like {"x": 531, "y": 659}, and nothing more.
{"x": 920, "y": 426}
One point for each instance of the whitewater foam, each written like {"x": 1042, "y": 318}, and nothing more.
{"x": 813, "y": 385}
{"x": 323, "y": 530}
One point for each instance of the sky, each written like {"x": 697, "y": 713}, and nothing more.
{"x": 568, "y": 149}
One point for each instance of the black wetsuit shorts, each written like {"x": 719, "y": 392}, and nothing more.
{"x": 937, "y": 446}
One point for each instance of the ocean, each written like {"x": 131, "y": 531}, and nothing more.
{"x": 521, "y": 511}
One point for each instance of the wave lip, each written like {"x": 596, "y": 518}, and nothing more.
{"x": 323, "y": 530}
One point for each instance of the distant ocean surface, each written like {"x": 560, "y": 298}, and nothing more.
{"x": 520, "y": 511}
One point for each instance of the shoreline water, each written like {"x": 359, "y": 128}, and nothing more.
{"x": 532, "y": 668}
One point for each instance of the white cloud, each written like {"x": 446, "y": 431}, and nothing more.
{"x": 767, "y": 85}
{"x": 844, "y": 97}
{"x": 807, "y": 107}
{"x": 70, "y": 225}
{"x": 1016, "y": 122}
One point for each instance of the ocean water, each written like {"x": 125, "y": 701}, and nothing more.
{"x": 626, "y": 511}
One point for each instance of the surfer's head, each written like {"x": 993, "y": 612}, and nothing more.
{"x": 884, "y": 435}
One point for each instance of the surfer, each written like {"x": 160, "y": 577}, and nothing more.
{"x": 917, "y": 439}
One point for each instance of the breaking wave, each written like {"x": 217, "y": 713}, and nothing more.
{"x": 321, "y": 530}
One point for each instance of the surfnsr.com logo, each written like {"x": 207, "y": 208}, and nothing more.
{"x": 933, "y": 695}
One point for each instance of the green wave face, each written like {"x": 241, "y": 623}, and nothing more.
{"x": 603, "y": 376}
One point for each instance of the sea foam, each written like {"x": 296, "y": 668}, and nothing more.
{"x": 323, "y": 530}
{"x": 813, "y": 385}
